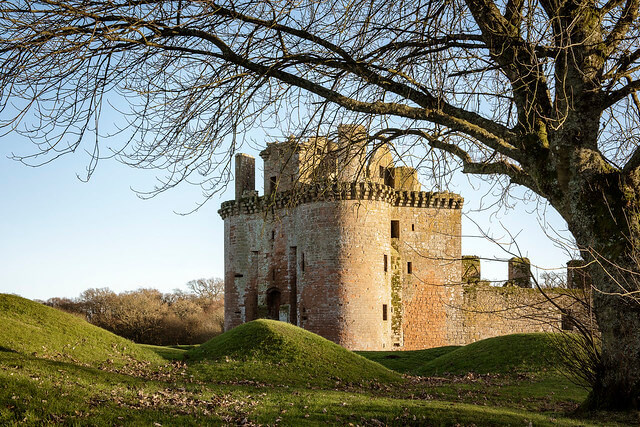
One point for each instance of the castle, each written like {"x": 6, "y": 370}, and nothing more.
{"x": 345, "y": 244}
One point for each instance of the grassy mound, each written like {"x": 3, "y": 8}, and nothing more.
{"x": 509, "y": 353}
{"x": 407, "y": 362}
{"x": 36, "y": 330}
{"x": 280, "y": 353}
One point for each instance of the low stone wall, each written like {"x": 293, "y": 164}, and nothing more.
{"x": 479, "y": 311}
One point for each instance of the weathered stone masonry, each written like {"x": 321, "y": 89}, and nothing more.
{"x": 344, "y": 244}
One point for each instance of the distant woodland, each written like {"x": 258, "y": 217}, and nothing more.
{"x": 149, "y": 316}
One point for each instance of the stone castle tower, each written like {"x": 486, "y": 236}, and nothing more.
{"x": 343, "y": 243}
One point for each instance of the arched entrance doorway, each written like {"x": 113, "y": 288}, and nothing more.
{"x": 273, "y": 303}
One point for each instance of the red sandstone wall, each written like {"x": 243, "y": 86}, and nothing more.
{"x": 342, "y": 288}
{"x": 313, "y": 230}
{"x": 430, "y": 240}
{"x": 365, "y": 287}
{"x": 340, "y": 292}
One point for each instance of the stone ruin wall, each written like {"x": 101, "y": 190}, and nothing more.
{"x": 331, "y": 254}
{"x": 323, "y": 254}
{"x": 482, "y": 311}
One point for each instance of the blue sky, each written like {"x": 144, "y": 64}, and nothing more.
{"x": 60, "y": 236}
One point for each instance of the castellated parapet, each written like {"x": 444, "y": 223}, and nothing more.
{"x": 345, "y": 244}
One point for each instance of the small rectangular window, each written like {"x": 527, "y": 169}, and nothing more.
{"x": 302, "y": 263}
{"x": 413, "y": 227}
{"x": 384, "y": 311}
{"x": 386, "y": 265}
{"x": 409, "y": 268}
{"x": 395, "y": 229}
{"x": 381, "y": 172}
{"x": 272, "y": 184}
{"x": 273, "y": 234}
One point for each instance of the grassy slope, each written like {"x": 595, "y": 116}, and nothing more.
{"x": 30, "y": 328}
{"x": 407, "y": 362}
{"x": 35, "y": 390}
{"x": 279, "y": 353}
{"x": 506, "y": 354}
{"x": 38, "y": 391}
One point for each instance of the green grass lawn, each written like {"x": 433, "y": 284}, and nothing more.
{"x": 407, "y": 362}
{"x": 30, "y": 328}
{"x": 267, "y": 372}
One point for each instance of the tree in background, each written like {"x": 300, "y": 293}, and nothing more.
{"x": 540, "y": 94}
{"x": 149, "y": 316}
{"x": 212, "y": 288}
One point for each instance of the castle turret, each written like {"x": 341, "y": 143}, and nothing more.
{"x": 245, "y": 175}
{"x": 520, "y": 272}
{"x": 470, "y": 269}
{"x": 406, "y": 178}
{"x": 351, "y": 153}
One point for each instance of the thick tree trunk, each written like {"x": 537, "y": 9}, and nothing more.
{"x": 603, "y": 218}
{"x": 618, "y": 381}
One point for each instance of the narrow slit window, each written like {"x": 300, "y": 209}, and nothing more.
{"x": 273, "y": 234}
{"x": 409, "y": 268}
{"x": 384, "y": 312}
{"x": 413, "y": 227}
{"x": 395, "y": 229}
{"x": 386, "y": 263}
{"x": 302, "y": 263}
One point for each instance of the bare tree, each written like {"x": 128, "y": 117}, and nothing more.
{"x": 540, "y": 94}
{"x": 212, "y": 288}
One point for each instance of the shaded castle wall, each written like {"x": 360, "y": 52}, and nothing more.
{"x": 482, "y": 311}
{"x": 263, "y": 253}
{"x": 488, "y": 311}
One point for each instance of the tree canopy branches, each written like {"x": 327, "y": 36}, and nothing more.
{"x": 202, "y": 71}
